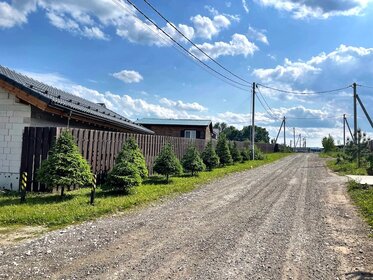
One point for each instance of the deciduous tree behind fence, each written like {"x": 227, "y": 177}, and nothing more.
{"x": 100, "y": 148}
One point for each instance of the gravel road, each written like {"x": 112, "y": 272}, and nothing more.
{"x": 288, "y": 220}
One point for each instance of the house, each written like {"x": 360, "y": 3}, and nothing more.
{"x": 187, "y": 128}
{"x": 26, "y": 102}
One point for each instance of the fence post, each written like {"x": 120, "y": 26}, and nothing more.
{"x": 93, "y": 189}
{"x": 23, "y": 186}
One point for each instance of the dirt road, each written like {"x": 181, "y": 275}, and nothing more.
{"x": 288, "y": 220}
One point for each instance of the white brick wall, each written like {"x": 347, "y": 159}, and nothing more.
{"x": 14, "y": 116}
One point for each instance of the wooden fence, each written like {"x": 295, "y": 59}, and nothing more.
{"x": 100, "y": 148}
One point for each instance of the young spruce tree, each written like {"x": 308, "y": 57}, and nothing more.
{"x": 222, "y": 149}
{"x": 245, "y": 154}
{"x": 129, "y": 169}
{"x": 209, "y": 156}
{"x": 131, "y": 153}
{"x": 65, "y": 166}
{"x": 235, "y": 153}
{"x": 192, "y": 161}
{"x": 167, "y": 163}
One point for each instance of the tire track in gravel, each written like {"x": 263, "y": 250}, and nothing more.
{"x": 207, "y": 227}
{"x": 272, "y": 222}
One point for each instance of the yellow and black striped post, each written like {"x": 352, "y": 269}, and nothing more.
{"x": 23, "y": 186}
{"x": 93, "y": 189}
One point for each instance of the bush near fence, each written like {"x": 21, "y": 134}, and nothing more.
{"x": 100, "y": 148}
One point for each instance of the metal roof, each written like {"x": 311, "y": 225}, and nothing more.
{"x": 61, "y": 99}
{"x": 186, "y": 122}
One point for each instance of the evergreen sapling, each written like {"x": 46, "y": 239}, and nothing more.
{"x": 192, "y": 161}
{"x": 209, "y": 156}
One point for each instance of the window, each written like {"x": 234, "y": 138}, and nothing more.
{"x": 190, "y": 134}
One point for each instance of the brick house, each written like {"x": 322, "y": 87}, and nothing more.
{"x": 186, "y": 128}
{"x": 26, "y": 102}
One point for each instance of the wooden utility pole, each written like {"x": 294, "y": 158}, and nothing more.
{"x": 344, "y": 130}
{"x": 355, "y": 113}
{"x": 294, "y": 138}
{"x": 253, "y": 124}
{"x": 284, "y": 132}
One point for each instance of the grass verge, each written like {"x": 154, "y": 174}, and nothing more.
{"x": 52, "y": 211}
{"x": 346, "y": 168}
{"x": 362, "y": 196}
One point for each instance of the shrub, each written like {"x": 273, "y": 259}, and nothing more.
{"x": 209, "y": 157}
{"x": 328, "y": 144}
{"x": 131, "y": 153}
{"x": 129, "y": 169}
{"x": 167, "y": 163}
{"x": 65, "y": 166}
{"x": 123, "y": 176}
{"x": 245, "y": 154}
{"x": 192, "y": 161}
{"x": 222, "y": 150}
{"x": 258, "y": 154}
{"x": 236, "y": 155}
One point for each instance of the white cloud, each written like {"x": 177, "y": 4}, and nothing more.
{"x": 321, "y": 9}
{"x": 245, "y": 6}
{"x": 125, "y": 105}
{"x": 128, "y": 76}
{"x": 345, "y": 62}
{"x": 207, "y": 28}
{"x": 258, "y": 35}
{"x": 194, "y": 106}
{"x": 15, "y": 14}
{"x": 239, "y": 45}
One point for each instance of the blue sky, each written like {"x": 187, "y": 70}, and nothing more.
{"x": 105, "y": 51}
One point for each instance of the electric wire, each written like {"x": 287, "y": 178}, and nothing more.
{"x": 269, "y": 107}
{"x": 182, "y": 47}
{"x": 164, "y": 39}
{"x": 365, "y": 86}
{"x": 195, "y": 45}
{"x": 304, "y": 93}
{"x": 267, "y": 111}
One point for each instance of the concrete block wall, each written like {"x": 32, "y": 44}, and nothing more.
{"x": 14, "y": 116}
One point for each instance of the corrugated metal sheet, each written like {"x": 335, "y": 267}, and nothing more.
{"x": 60, "y": 98}
{"x": 187, "y": 122}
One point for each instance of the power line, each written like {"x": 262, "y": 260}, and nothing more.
{"x": 269, "y": 107}
{"x": 365, "y": 86}
{"x": 268, "y": 112}
{"x": 118, "y": 2}
{"x": 303, "y": 93}
{"x": 311, "y": 118}
{"x": 182, "y": 47}
{"x": 195, "y": 45}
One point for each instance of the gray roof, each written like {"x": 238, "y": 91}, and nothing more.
{"x": 66, "y": 101}
{"x": 186, "y": 122}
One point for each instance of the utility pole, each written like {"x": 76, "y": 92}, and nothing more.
{"x": 253, "y": 124}
{"x": 284, "y": 132}
{"x": 294, "y": 138}
{"x": 355, "y": 113}
{"x": 344, "y": 130}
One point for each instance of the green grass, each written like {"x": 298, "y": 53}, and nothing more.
{"x": 329, "y": 154}
{"x": 52, "y": 211}
{"x": 346, "y": 168}
{"x": 363, "y": 198}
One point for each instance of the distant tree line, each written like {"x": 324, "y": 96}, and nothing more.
{"x": 233, "y": 134}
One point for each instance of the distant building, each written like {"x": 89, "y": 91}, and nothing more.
{"x": 186, "y": 128}
{"x": 26, "y": 102}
